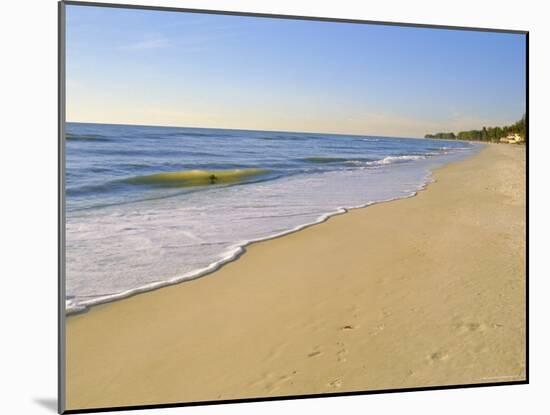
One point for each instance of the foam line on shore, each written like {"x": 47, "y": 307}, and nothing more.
{"x": 231, "y": 255}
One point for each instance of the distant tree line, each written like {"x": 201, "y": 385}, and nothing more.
{"x": 486, "y": 133}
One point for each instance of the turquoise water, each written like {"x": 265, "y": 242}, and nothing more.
{"x": 151, "y": 206}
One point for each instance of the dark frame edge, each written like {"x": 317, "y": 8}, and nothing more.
{"x": 291, "y": 397}
{"x": 527, "y": 146}
{"x": 61, "y": 404}
{"x": 288, "y": 17}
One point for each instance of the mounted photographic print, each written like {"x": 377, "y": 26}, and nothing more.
{"x": 259, "y": 207}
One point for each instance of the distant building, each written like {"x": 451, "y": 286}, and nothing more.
{"x": 512, "y": 139}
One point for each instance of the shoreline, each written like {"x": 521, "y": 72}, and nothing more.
{"x": 216, "y": 266}
{"x": 331, "y": 308}
{"x": 240, "y": 250}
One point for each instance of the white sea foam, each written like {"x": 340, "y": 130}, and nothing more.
{"x": 395, "y": 159}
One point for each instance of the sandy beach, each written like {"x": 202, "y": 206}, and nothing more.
{"x": 423, "y": 291}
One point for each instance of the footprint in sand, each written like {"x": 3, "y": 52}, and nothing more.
{"x": 336, "y": 383}
{"x": 271, "y": 382}
{"x": 475, "y": 326}
{"x": 438, "y": 356}
{"x": 377, "y": 330}
{"x": 468, "y": 327}
{"x": 341, "y": 354}
{"x": 315, "y": 352}
{"x": 349, "y": 327}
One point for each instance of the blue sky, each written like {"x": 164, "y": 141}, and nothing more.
{"x": 182, "y": 69}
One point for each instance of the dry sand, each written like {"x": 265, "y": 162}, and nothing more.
{"x": 423, "y": 291}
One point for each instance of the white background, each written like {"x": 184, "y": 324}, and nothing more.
{"x": 28, "y": 192}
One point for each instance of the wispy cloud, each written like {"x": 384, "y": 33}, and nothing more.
{"x": 188, "y": 41}
{"x": 156, "y": 41}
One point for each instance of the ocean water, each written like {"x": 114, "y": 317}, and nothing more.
{"x": 151, "y": 206}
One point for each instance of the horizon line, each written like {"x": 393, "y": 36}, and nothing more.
{"x": 246, "y": 129}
